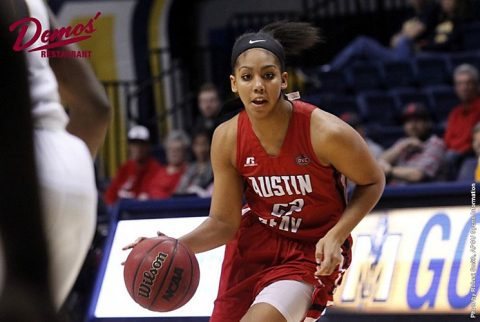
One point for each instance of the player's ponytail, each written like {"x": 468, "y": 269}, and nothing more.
{"x": 281, "y": 38}
{"x": 293, "y": 36}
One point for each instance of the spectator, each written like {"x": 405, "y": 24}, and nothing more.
{"x": 448, "y": 33}
{"x": 165, "y": 182}
{"x": 199, "y": 175}
{"x": 418, "y": 156}
{"x": 462, "y": 118}
{"x": 416, "y": 28}
{"x": 432, "y": 30}
{"x": 209, "y": 105}
{"x": 354, "y": 120}
{"x": 421, "y": 21}
{"x": 469, "y": 167}
{"x": 134, "y": 177}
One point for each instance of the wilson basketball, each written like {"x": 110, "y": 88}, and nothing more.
{"x": 161, "y": 274}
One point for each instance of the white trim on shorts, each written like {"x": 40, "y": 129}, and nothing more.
{"x": 291, "y": 298}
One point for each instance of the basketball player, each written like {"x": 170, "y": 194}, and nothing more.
{"x": 290, "y": 244}
{"x": 64, "y": 148}
{"x": 25, "y": 295}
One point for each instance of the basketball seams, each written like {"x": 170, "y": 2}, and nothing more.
{"x": 141, "y": 263}
{"x": 174, "y": 253}
{"x": 187, "y": 251}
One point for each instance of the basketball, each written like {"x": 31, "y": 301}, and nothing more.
{"x": 161, "y": 274}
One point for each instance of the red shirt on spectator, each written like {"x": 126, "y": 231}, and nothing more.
{"x": 132, "y": 180}
{"x": 458, "y": 133}
{"x": 164, "y": 184}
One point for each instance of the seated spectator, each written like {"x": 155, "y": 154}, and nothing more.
{"x": 420, "y": 23}
{"x": 199, "y": 175}
{"x": 354, "y": 120}
{"x": 165, "y": 182}
{"x": 209, "y": 104}
{"x": 448, "y": 33}
{"x": 462, "y": 118}
{"x": 468, "y": 171}
{"x": 418, "y": 157}
{"x": 418, "y": 34}
{"x": 134, "y": 176}
{"x": 416, "y": 28}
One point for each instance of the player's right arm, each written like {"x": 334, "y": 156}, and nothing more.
{"x": 225, "y": 209}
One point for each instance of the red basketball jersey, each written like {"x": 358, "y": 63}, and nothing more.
{"x": 291, "y": 193}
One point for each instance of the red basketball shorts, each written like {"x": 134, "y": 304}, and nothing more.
{"x": 258, "y": 257}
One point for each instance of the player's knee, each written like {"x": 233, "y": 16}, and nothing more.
{"x": 263, "y": 312}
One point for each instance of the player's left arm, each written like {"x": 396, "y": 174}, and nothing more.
{"x": 89, "y": 109}
{"x": 340, "y": 146}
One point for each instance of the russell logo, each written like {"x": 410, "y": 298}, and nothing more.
{"x": 52, "y": 38}
{"x": 250, "y": 162}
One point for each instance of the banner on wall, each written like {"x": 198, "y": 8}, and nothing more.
{"x": 421, "y": 260}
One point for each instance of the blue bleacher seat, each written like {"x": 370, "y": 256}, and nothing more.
{"x": 431, "y": 70}
{"x": 386, "y": 136}
{"x": 398, "y": 74}
{"x": 439, "y": 129}
{"x": 377, "y": 108}
{"x": 333, "y": 81}
{"x": 319, "y": 100}
{"x": 364, "y": 76}
{"x": 472, "y": 58}
{"x": 341, "y": 104}
{"x": 442, "y": 100}
{"x": 314, "y": 99}
{"x": 471, "y": 36}
{"x": 403, "y": 96}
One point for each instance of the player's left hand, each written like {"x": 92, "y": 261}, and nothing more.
{"x": 328, "y": 254}
{"x": 138, "y": 240}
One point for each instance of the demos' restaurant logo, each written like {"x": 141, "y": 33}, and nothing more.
{"x": 32, "y": 37}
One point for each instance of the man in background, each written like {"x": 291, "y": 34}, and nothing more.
{"x": 462, "y": 119}
{"x": 469, "y": 170}
{"x": 165, "y": 182}
{"x": 417, "y": 157}
{"x": 209, "y": 105}
{"x": 134, "y": 177}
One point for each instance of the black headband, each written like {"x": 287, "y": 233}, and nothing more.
{"x": 258, "y": 40}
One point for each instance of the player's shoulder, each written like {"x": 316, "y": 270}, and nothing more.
{"x": 227, "y": 130}
{"x": 327, "y": 125}
{"x": 329, "y": 135}
{"x": 224, "y": 143}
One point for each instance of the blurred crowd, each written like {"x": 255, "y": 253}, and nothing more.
{"x": 179, "y": 167}
{"x": 428, "y": 150}
{"x": 421, "y": 155}
{"x": 433, "y": 26}
{"x": 438, "y": 143}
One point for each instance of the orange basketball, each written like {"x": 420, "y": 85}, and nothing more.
{"x": 161, "y": 274}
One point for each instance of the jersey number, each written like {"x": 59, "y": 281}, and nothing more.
{"x": 286, "y": 209}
